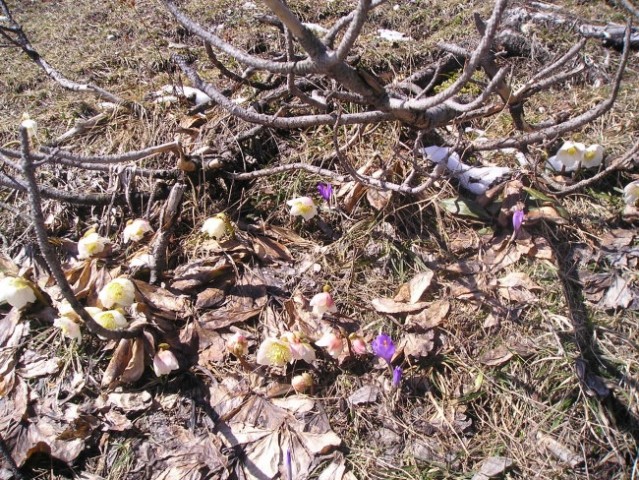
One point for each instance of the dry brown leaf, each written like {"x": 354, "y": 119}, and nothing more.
{"x": 619, "y": 295}
{"x": 130, "y": 402}
{"x": 267, "y": 429}
{"x": 209, "y": 298}
{"x": 497, "y": 356}
{"x": 419, "y": 284}
{"x": 200, "y": 273}
{"x": 516, "y": 287}
{"x": 365, "y": 394}
{"x": 244, "y": 300}
{"x": 417, "y": 344}
{"x": 388, "y": 305}
{"x": 558, "y": 450}
{"x": 270, "y": 250}
{"x": 117, "y": 365}
{"x": 163, "y": 302}
{"x": 135, "y": 368}
{"x": 493, "y": 467}
{"x": 378, "y": 199}
{"x": 33, "y": 365}
{"x": 430, "y": 317}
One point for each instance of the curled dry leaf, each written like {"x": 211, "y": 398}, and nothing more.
{"x": 428, "y": 318}
{"x": 130, "y": 402}
{"x": 195, "y": 275}
{"x": 388, "y": 305}
{"x": 558, "y": 450}
{"x": 117, "y": 365}
{"x": 496, "y": 356}
{"x": 492, "y": 467}
{"x": 135, "y": 368}
{"x": 417, "y": 344}
{"x": 365, "y": 394}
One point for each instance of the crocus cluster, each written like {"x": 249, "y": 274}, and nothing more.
{"x": 16, "y": 291}
{"x": 574, "y": 155}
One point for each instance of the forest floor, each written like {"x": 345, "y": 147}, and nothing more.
{"x": 519, "y": 351}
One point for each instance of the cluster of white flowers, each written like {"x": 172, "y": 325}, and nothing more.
{"x": 116, "y": 295}
{"x": 574, "y": 155}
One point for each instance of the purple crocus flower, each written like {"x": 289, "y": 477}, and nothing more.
{"x": 518, "y": 218}
{"x": 289, "y": 465}
{"x": 325, "y": 190}
{"x": 383, "y": 347}
{"x": 397, "y": 376}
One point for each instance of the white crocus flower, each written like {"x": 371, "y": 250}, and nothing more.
{"x": 69, "y": 327}
{"x": 568, "y": 158}
{"x": 322, "y": 303}
{"x": 111, "y": 320}
{"x": 593, "y": 156}
{"x": 631, "y": 194}
{"x": 302, "y": 207}
{"x": 118, "y": 292}
{"x": 136, "y": 229}
{"x": 274, "y": 352}
{"x": 91, "y": 244}
{"x": 16, "y": 291}
{"x": 216, "y": 227}
{"x": 164, "y": 362}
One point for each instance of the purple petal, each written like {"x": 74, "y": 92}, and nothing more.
{"x": 383, "y": 347}
{"x": 397, "y": 376}
{"x": 518, "y": 219}
{"x": 325, "y": 190}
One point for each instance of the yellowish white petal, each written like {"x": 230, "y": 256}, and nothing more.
{"x": 136, "y": 229}
{"x": 631, "y": 194}
{"x": 16, "y": 291}
{"x": 302, "y": 207}
{"x": 118, "y": 292}
{"x": 215, "y": 227}
{"x": 91, "y": 244}
{"x": 69, "y": 328}
{"x": 164, "y": 362}
{"x": 111, "y": 320}
{"x": 593, "y": 156}
{"x": 274, "y": 352}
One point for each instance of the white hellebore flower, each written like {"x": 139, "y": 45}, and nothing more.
{"x": 333, "y": 343}
{"x": 69, "y": 327}
{"x": 215, "y": 227}
{"x": 136, "y": 229}
{"x": 237, "y": 345}
{"x": 302, "y": 383}
{"x": 302, "y": 207}
{"x": 118, "y": 292}
{"x": 111, "y": 320}
{"x": 593, "y": 156}
{"x": 90, "y": 245}
{"x": 30, "y": 125}
{"x": 568, "y": 158}
{"x": 631, "y": 193}
{"x": 16, "y": 291}
{"x": 322, "y": 303}
{"x": 164, "y": 362}
{"x": 300, "y": 349}
{"x": 274, "y": 352}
